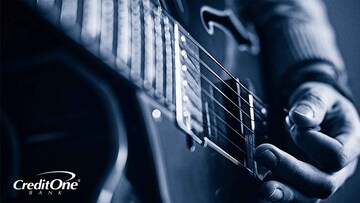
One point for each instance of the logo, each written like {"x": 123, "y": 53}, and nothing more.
{"x": 51, "y": 182}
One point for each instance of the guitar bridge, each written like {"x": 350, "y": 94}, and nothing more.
{"x": 189, "y": 115}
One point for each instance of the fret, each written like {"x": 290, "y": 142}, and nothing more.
{"x": 69, "y": 11}
{"x": 107, "y": 28}
{"x": 149, "y": 69}
{"x": 45, "y": 5}
{"x": 136, "y": 41}
{"x": 159, "y": 50}
{"x": 168, "y": 61}
{"x": 123, "y": 47}
{"x": 90, "y": 21}
{"x": 159, "y": 83}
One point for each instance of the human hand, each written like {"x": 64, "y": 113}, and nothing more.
{"x": 326, "y": 127}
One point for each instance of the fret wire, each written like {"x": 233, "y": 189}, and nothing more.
{"x": 219, "y": 104}
{"x": 221, "y": 80}
{"x": 222, "y": 67}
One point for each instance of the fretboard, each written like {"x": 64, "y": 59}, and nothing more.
{"x": 150, "y": 49}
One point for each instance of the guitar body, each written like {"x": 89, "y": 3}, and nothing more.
{"x": 62, "y": 110}
{"x": 202, "y": 175}
{"x": 184, "y": 174}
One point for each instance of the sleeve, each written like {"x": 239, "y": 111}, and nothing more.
{"x": 298, "y": 44}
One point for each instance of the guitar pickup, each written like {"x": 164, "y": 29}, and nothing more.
{"x": 189, "y": 115}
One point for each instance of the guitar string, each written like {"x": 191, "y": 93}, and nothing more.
{"x": 240, "y": 97}
{"x": 252, "y": 172}
{"x": 224, "y": 95}
{"x": 193, "y": 55}
{"x": 222, "y": 135}
{"x": 219, "y": 65}
{"x": 220, "y": 92}
{"x": 221, "y": 80}
{"x": 238, "y": 107}
{"x": 246, "y": 102}
{"x": 206, "y": 93}
{"x": 226, "y": 110}
{"x": 241, "y": 163}
{"x": 224, "y": 122}
{"x": 167, "y": 15}
{"x": 210, "y": 83}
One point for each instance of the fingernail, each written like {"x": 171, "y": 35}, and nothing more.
{"x": 276, "y": 195}
{"x": 288, "y": 122}
{"x": 304, "y": 110}
{"x": 267, "y": 158}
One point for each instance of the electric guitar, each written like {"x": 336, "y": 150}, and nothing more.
{"x": 139, "y": 106}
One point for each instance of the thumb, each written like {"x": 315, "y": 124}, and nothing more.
{"x": 310, "y": 108}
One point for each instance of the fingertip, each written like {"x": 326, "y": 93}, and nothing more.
{"x": 265, "y": 156}
{"x": 303, "y": 115}
{"x": 274, "y": 191}
{"x": 271, "y": 191}
{"x": 264, "y": 146}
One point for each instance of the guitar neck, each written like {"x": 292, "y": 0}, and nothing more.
{"x": 150, "y": 49}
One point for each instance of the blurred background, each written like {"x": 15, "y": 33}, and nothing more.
{"x": 345, "y": 18}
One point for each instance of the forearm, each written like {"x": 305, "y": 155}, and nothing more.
{"x": 298, "y": 44}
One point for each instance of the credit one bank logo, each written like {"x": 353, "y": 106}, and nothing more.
{"x": 46, "y": 186}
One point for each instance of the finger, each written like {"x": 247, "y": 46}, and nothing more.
{"x": 310, "y": 108}
{"x": 331, "y": 154}
{"x": 337, "y": 148}
{"x": 274, "y": 191}
{"x": 300, "y": 175}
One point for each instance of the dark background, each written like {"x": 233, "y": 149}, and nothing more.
{"x": 345, "y": 18}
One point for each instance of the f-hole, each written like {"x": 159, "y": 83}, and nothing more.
{"x": 227, "y": 21}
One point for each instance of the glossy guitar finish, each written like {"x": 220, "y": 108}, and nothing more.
{"x": 142, "y": 147}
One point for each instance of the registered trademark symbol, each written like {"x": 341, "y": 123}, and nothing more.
{"x": 78, "y": 180}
